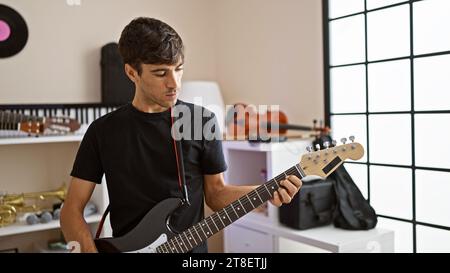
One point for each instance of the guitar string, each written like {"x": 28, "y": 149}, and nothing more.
{"x": 11, "y": 118}
{"x": 229, "y": 209}
{"x": 255, "y": 195}
{"x": 252, "y": 194}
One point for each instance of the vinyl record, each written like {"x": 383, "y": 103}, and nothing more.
{"x": 13, "y": 32}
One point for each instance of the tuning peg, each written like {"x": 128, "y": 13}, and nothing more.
{"x": 334, "y": 142}
{"x": 352, "y": 138}
{"x": 317, "y": 147}
{"x": 309, "y": 148}
{"x": 326, "y": 144}
{"x": 343, "y": 140}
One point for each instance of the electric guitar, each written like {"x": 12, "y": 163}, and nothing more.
{"x": 34, "y": 125}
{"x": 154, "y": 235}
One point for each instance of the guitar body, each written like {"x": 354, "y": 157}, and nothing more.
{"x": 152, "y": 231}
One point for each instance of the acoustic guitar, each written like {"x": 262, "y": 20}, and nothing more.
{"x": 153, "y": 233}
{"x": 34, "y": 125}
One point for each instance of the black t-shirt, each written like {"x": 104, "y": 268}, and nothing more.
{"x": 135, "y": 152}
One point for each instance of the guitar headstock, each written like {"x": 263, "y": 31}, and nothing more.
{"x": 323, "y": 162}
{"x": 54, "y": 125}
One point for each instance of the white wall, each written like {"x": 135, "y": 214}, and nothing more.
{"x": 270, "y": 52}
{"x": 61, "y": 61}
{"x": 261, "y": 52}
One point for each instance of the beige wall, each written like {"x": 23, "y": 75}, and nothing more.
{"x": 260, "y": 51}
{"x": 61, "y": 61}
{"x": 270, "y": 52}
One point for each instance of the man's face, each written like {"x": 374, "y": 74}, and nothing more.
{"x": 159, "y": 85}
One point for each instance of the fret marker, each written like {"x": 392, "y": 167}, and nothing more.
{"x": 190, "y": 238}
{"x": 207, "y": 232}
{"x": 254, "y": 198}
{"x": 224, "y": 217}
{"x": 238, "y": 208}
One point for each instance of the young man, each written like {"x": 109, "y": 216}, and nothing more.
{"x": 134, "y": 148}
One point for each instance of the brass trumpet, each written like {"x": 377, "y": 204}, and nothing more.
{"x": 12, "y": 204}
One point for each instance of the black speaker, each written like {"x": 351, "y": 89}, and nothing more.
{"x": 117, "y": 88}
{"x": 312, "y": 207}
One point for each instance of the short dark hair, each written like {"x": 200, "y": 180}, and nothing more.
{"x": 150, "y": 41}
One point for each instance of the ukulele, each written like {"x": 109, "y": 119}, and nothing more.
{"x": 34, "y": 125}
{"x": 153, "y": 233}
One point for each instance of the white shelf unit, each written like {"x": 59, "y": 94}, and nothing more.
{"x": 35, "y": 164}
{"x": 261, "y": 231}
{"x": 21, "y": 228}
{"x": 41, "y": 139}
{"x": 257, "y": 236}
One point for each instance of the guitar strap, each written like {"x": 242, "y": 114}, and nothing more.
{"x": 179, "y": 158}
{"x": 102, "y": 221}
{"x": 180, "y": 170}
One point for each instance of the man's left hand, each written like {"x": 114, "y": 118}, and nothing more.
{"x": 288, "y": 188}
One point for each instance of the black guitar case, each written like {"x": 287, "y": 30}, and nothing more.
{"x": 352, "y": 211}
{"x": 116, "y": 87}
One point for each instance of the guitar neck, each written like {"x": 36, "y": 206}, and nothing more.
{"x": 12, "y": 121}
{"x": 212, "y": 224}
{"x": 282, "y": 126}
{"x": 279, "y": 126}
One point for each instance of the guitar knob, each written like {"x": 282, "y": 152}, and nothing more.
{"x": 326, "y": 144}
{"x": 309, "y": 149}
{"x": 343, "y": 140}
{"x": 317, "y": 147}
{"x": 334, "y": 142}
{"x": 352, "y": 138}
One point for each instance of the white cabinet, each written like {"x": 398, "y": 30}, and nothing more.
{"x": 260, "y": 230}
{"x": 40, "y": 164}
{"x": 247, "y": 240}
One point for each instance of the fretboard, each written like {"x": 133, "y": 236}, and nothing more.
{"x": 11, "y": 121}
{"x": 212, "y": 224}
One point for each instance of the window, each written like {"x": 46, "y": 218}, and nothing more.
{"x": 387, "y": 83}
